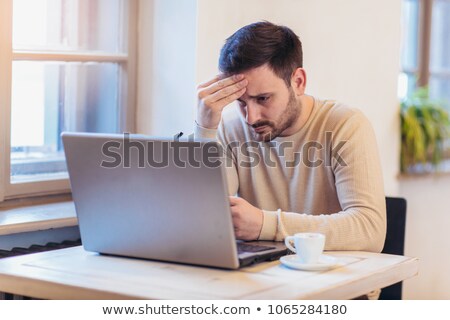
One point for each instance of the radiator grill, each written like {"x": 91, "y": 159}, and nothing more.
{"x": 35, "y": 248}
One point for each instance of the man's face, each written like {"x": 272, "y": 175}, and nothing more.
{"x": 269, "y": 106}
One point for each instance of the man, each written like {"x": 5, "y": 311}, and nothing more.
{"x": 314, "y": 164}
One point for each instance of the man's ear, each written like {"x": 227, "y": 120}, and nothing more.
{"x": 298, "y": 81}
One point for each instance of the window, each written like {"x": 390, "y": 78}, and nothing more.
{"x": 65, "y": 65}
{"x": 439, "y": 80}
{"x": 426, "y": 48}
{"x": 409, "y": 57}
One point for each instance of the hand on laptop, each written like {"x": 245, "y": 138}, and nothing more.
{"x": 247, "y": 219}
{"x": 214, "y": 95}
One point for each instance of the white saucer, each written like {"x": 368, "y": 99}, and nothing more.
{"x": 324, "y": 263}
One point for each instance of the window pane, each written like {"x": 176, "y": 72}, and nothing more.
{"x": 439, "y": 89}
{"x": 86, "y": 25}
{"x": 410, "y": 28}
{"x": 440, "y": 36}
{"x": 51, "y": 97}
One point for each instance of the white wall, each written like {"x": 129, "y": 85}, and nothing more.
{"x": 166, "y": 66}
{"x": 427, "y": 235}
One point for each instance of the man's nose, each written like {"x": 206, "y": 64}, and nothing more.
{"x": 253, "y": 113}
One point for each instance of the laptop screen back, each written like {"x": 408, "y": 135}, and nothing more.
{"x": 151, "y": 198}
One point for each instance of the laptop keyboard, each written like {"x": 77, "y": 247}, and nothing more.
{"x": 244, "y": 247}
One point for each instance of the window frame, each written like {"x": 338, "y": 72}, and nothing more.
{"x": 422, "y": 70}
{"x": 127, "y": 94}
{"x": 423, "y": 62}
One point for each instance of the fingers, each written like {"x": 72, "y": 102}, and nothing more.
{"x": 216, "y": 94}
{"x": 229, "y": 99}
{"x": 222, "y": 103}
{"x": 236, "y": 219}
{"x": 220, "y": 84}
{"x": 227, "y": 94}
{"x": 239, "y": 224}
{"x": 234, "y": 200}
{"x": 210, "y": 82}
{"x": 236, "y": 215}
{"x": 236, "y": 212}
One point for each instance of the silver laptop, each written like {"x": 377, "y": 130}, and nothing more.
{"x": 160, "y": 199}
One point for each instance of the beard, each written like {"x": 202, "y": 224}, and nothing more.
{"x": 269, "y": 130}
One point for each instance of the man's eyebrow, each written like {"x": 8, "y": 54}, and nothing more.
{"x": 261, "y": 94}
{"x": 258, "y": 95}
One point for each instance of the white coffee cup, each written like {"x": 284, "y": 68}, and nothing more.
{"x": 308, "y": 246}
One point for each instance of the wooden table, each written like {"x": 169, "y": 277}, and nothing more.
{"x": 76, "y": 274}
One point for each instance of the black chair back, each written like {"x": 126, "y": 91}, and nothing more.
{"x": 395, "y": 240}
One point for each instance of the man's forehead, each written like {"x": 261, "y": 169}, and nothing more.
{"x": 261, "y": 81}
{"x": 257, "y": 87}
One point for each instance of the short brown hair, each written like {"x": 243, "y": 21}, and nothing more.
{"x": 259, "y": 43}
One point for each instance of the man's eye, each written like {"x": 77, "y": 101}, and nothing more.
{"x": 262, "y": 99}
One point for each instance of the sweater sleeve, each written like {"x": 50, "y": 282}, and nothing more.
{"x": 228, "y": 158}
{"x": 361, "y": 224}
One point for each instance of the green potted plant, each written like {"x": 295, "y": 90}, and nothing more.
{"x": 424, "y": 131}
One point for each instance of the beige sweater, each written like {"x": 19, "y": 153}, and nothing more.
{"x": 338, "y": 193}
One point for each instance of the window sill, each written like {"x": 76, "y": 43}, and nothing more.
{"x": 427, "y": 170}
{"x": 17, "y": 218}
